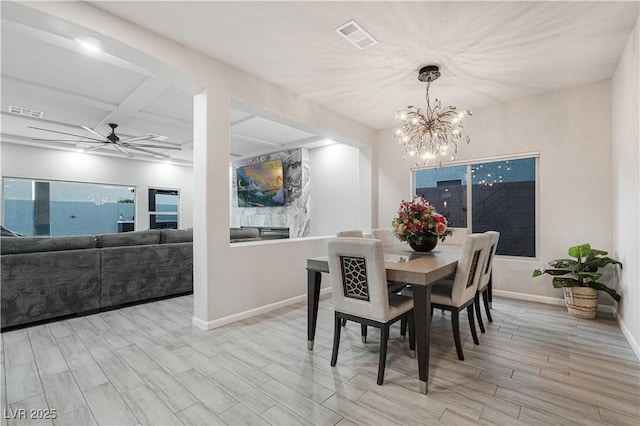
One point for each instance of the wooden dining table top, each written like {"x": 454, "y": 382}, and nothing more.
{"x": 408, "y": 266}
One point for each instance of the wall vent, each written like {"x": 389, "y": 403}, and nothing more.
{"x": 356, "y": 35}
{"x": 25, "y": 111}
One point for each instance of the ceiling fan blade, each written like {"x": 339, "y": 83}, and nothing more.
{"x": 122, "y": 150}
{"x": 177, "y": 148}
{"x": 137, "y": 138}
{"x": 66, "y": 140}
{"x": 148, "y": 151}
{"x": 94, "y": 132}
{"x": 63, "y": 133}
{"x": 93, "y": 148}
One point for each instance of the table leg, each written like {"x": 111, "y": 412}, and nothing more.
{"x": 313, "y": 298}
{"x": 422, "y": 315}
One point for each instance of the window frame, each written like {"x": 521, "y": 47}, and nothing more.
{"x": 49, "y": 180}
{"x": 470, "y": 162}
{"x": 155, "y": 213}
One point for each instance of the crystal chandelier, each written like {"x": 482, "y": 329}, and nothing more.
{"x": 430, "y": 136}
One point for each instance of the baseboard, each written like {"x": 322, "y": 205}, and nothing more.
{"x": 546, "y": 300}
{"x": 627, "y": 334}
{"x": 210, "y": 325}
{"x": 528, "y": 297}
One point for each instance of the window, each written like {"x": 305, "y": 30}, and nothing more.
{"x": 163, "y": 208}
{"x": 501, "y": 197}
{"x": 56, "y": 208}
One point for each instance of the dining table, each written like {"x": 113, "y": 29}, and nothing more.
{"x": 417, "y": 269}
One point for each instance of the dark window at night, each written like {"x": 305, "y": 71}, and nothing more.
{"x": 503, "y": 198}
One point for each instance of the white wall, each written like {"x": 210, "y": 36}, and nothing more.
{"x": 215, "y": 261}
{"x": 626, "y": 185}
{"x": 571, "y": 129}
{"x": 335, "y": 187}
{"x": 39, "y": 163}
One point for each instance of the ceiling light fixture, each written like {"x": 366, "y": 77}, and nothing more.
{"x": 90, "y": 43}
{"x": 430, "y": 136}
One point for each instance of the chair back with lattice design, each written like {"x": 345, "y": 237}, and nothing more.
{"x": 470, "y": 268}
{"x": 358, "y": 277}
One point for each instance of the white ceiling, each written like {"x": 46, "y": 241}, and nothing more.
{"x": 489, "y": 52}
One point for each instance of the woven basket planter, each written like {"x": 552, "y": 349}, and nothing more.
{"x": 582, "y": 302}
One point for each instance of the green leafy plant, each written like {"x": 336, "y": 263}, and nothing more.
{"x": 583, "y": 271}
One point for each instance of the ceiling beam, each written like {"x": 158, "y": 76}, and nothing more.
{"x": 150, "y": 89}
{"x": 72, "y": 45}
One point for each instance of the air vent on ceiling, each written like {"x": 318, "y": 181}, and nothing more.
{"x": 356, "y": 35}
{"x": 25, "y": 111}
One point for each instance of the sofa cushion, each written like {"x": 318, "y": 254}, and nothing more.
{"x": 136, "y": 238}
{"x": 131, "y": 274}
{"x": 12, "y": 245}
{"x": 41, "y": 286}
{"x": 176, "y": 236}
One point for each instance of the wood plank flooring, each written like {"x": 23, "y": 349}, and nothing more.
{"x": 146, "y": 365}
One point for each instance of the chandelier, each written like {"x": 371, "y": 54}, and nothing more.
{"x": 430, "y": 136}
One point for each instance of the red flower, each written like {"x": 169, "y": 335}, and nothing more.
{"x": 439, "y": 218}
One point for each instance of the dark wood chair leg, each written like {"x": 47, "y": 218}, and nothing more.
{"x": 336, "y": 340}
{"x": 384, "y": 331}
{"x": 485, "y": 299}
{"x": 476, "y": 302}
{"x": 412, "y": 331}
{"x": 363, "y": 331}
{"x": 403, "y": 327}
{"x": 472, "y": 324}
{"x": 455, "y": 323}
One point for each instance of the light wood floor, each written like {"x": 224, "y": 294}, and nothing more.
{"x": 146, "y": 365}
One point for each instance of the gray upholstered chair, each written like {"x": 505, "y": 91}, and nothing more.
{"x": 386, "y": 236}
{"x": 457, "y": 237}
{"x": 388, "y": 239}
{"x": 359, "y": 287}
{"x": 461, "y": 293}
{"x": 485, "y": 279}
{"x": 355, "y": 233}
{"x": 457, "y": 293}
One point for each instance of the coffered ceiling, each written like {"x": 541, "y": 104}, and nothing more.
{"x": 489, "y": 52}
{"x": 44, "y": 70}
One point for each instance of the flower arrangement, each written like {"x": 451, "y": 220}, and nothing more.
{"x": 418, "y": 220}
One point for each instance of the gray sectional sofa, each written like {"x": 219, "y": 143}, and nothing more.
{"x": 45, "y": 278}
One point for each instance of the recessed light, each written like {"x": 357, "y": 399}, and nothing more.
{"x": 90, "y": 43}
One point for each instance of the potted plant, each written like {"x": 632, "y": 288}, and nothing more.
{"x": 419, "y": 224}
{"x": 578, "y": 278}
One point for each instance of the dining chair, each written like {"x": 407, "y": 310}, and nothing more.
{"x": 485, "y": 279}
{"x": 393, "y": 286}
{"x": 458, "y": 292}
{"x": 385, "y": 235}
{"x": 389, "y": 239}
{"x": 359, "y": 288}
{"x": 457, "y": 237}
{"x": 355, "y": 233}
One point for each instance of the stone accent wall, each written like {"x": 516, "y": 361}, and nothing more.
{"x": 295, "y": 213}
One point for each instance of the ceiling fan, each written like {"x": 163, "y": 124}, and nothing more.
{"x": 112, "y": 140}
